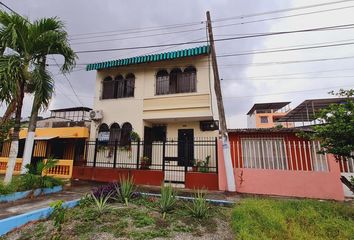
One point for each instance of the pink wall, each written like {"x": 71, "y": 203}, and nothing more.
{"x": 308, "y": 184}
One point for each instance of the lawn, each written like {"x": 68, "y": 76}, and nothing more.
{"x": 250, "y": 218}
{"x": 293, "y": 219}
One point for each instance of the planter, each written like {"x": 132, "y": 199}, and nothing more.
{"x": 25, "y": 194}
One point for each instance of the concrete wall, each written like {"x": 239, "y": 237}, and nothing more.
{"x": 322, "y": 185}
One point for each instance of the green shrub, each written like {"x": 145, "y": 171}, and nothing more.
{"x": 126, "y": 189}
{"x": 101, "y": 202}
{"x": 8, "y": 188}
{"x": 167, "y": 200}
{"x": 200, "y": 207}
{"x": 58, "y": 214}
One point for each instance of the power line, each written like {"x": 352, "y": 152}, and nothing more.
{"x": 180, "y": 25}
{"x": 280, "y": 11}
{"x": 197, "y": 29}
{"x": 71, "y": 86}
{"x": 142, "y": 36}
{"x": 336, "y": 27}
{"x": 285, "y": 50}
{"x": 301, "y": 73}
{"x": 277, "y": 79}
{"x": 282, "y": 17}
{"x": 280, "y": 93}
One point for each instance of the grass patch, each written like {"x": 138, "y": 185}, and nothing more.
{"x": 292, "y": 219}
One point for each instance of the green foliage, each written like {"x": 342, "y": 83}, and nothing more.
{"x": 204, "y": 165}
{"x": 12, "y": 187}
{"x": 35, "y": 178}
{"x": 200, "y": 207}
{"x": 336, "y": 134}
{"x": 168, "y": 200}
{"x": 126, "y": 189}
{"x": 86, "y": 201}
{"x": 134, "y": 136}
{"x": 292, "y": 219}
{"x": 58, "y": 214}
{"x": 101, "y": 202}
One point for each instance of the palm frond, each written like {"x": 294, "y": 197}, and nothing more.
{"x": 43, "y": 85}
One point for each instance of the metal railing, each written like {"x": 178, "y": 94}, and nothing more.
{"x": 278, "y": 154}
{"x": 174, "y": 157}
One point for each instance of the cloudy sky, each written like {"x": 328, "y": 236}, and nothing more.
{"x": 100, "y": 24}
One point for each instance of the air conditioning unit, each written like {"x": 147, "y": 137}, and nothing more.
{"x": 209, "y": 125}
{"x": 96, "y": 115}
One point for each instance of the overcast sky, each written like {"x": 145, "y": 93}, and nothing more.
{"x": 244, "y": 82}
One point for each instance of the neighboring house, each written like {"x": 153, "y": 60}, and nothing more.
{"x": 67, "y": 117}
{"x": 61, "y": 136}
{"x": 167, "y": 100}
{"x": 265, "y": 115}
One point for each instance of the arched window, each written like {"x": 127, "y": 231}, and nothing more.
{"x": 189, "y": 80}
{"x": 108, "y": 88}
{"x": 103, "y": 133}
{"x": 119, "y": 86}
{"x": 129, "y": 85}
{"x": 175, "y": 78}
{"x": 125, "y": 134}
{"x": 162, "y": 82}
{"x": 114, "y": 133}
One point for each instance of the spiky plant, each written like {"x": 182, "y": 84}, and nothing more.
{"x": 126, "y": 189}
{"x": 168, "y": 199}
{"x": 101, "y": 202}
{"x": 200, "y": 207}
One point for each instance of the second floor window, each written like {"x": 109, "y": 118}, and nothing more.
{"x": 119, "y": 87}
{"x": 176, "y": 82}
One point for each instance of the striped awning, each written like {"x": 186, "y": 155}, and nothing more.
{"x": 202, "y": 50}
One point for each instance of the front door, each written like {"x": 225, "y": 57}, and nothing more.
{"x": 147, "y": 142}
{"x": 185, "y": 147}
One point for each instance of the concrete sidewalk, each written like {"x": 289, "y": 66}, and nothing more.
{"x": 75, "y": 191}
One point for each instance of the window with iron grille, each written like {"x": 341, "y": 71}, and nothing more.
{"x": 120, "y": 87}
{"x": 176, "y": 82}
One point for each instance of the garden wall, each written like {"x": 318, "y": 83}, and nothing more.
{"x": 143, "y": 177}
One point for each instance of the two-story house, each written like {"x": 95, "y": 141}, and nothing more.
{"x": 161, "y": 97}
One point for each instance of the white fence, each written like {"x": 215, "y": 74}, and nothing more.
{"x": 278, "y": 154}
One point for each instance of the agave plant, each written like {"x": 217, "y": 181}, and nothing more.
{"x": 101, "y": 202}
{"x": 168, "y": 199}
{"x": 200, "y": 206}
{"x": 126, "y": 189}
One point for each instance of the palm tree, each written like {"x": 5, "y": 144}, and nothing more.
{"x": 24, "y": 69}
{"x": 14, "y": 68}
{"x": 48, "y": 37}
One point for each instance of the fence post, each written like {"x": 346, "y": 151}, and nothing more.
{"x": 216, "y": 155}
{"x": 163, "y": 154}
{"x": 138, "y": 155}
{"x": 95, "y": 155}
{"x": 115, "y": 153}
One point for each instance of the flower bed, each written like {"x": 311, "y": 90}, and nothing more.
{"x": 117, "y": 211}
{"x": 29, "y": 193}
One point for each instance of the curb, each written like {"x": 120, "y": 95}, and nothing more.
{"x": 213, "y": 201}
{"x": 11, "y": 223}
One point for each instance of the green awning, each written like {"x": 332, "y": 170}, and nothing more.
{"x": 202, "y": 50}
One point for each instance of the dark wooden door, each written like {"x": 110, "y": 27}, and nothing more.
{"x": 147, "y": 142}
{"x": 185, "y": 147}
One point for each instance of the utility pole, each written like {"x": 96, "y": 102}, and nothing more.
{"x": 223, "y": 128}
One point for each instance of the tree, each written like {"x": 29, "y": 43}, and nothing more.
{"x": 336, "y": 133}
{"x": 48, "y": 37}
{"x": 23, "y": 70}
{"x": 14, "y": 68}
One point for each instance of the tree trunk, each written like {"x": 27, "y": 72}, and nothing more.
{"x": 11, "y": 108}
{"x": 27, "y": 154}
{"x": 15, "y": 135}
